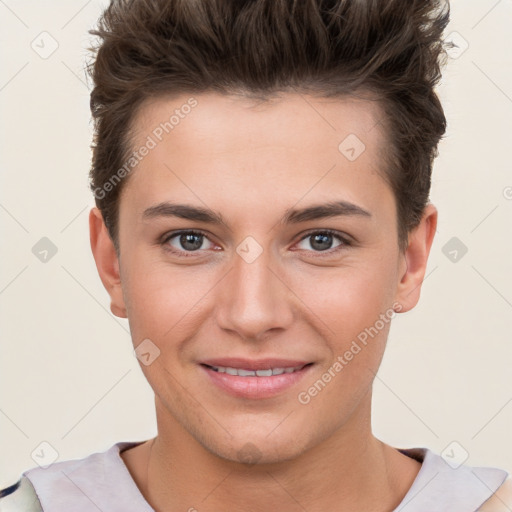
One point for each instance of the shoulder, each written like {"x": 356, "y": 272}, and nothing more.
{"x": 501, "y": 500}
{"x": 20, "y": 497}
{"x": 71, "y": 485}
{"x": 67, "y": 477}
{"x": 453, "y": 485}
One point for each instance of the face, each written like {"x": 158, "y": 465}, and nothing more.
{"x": 254, "y": 237}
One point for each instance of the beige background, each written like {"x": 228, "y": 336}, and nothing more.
{"x": 68, "y": 376}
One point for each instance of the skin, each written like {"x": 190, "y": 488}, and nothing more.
{"x": 251, "y": 162}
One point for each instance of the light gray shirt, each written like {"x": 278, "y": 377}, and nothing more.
{"x": 101, "y": 481}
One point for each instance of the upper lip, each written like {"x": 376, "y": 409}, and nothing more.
{"x": 254, "y": 364}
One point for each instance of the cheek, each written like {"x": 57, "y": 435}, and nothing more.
{"x": 354, "y": 306}
{"x": 358, "y": 312}
{"x": 162, "y": 300}
{"x": 350, "y": 298}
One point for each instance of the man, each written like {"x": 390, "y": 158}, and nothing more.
{"x": 261, "y": 172}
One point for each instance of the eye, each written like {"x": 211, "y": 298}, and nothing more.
{"x": 186, "y": 242}
{"x": 322, "y": 241}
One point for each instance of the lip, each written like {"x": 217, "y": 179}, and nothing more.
{"x": 254, "y": 364}
{"x": 255, "y": 388}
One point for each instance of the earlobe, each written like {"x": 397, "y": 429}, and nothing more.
{"x": 107, "y": 262}
{"x": 416, "y": 259}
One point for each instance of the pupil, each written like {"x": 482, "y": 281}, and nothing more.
{"x": 189, "y": 238}
{"x": 320, "y": 239}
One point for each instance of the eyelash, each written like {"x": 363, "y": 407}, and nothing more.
{"x": 345, "y": 242}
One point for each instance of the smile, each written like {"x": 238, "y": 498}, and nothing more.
{"x": 255, "y": 373}
{"x": 261, "y": 383}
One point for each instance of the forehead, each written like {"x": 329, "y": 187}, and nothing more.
{"x": 278, "y": 120}
{"x": 206, "y": 142}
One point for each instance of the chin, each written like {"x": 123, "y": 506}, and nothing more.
{"x": 254, "y": 449}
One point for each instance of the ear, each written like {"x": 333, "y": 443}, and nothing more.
{"x": 107, "y": 262}
{"x": 414, "y": 260}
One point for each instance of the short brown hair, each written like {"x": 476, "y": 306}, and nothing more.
{"x": 331, "y": 48}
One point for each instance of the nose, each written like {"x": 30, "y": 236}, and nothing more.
{"x": 254, "y": 299}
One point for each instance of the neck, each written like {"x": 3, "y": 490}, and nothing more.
{"x": 351, "y": 470}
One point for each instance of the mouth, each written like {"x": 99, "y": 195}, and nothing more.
{"x": 268, "y": 372}
{"x": 255, "y": 379}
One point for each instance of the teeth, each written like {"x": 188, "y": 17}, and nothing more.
{"x": 246, "y": 373}
{"x": 254, "y": 373}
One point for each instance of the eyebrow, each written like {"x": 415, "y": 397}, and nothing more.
{"x": 292, "y": 216}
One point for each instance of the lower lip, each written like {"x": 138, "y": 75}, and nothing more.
{"x": 255, "y": 387}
